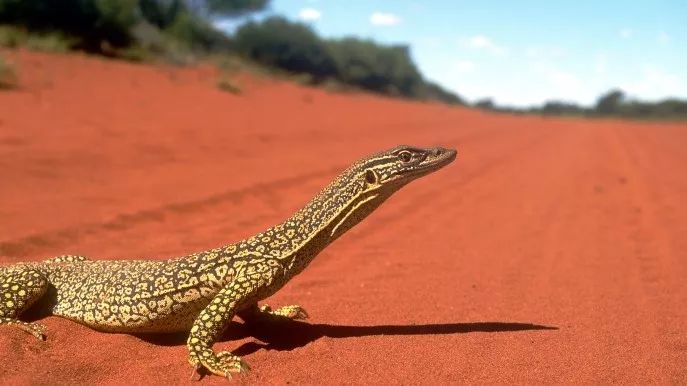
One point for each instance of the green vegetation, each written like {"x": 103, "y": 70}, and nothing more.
{"x": 361, "y": 63}
{"x": 614, "y": 103}
{"x": 89, "y": 22}
{"x": 111, "y": 27}
{"x": 8, "y": 78}
{"x": 180, "y": 30}
{"x": 280, "y": 43}
{"x": 385, "y": 69}
{"x": 52, "y": 41}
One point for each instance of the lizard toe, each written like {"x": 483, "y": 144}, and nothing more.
{"x": 295, "y": 312}
{"x": 225, "y": 364}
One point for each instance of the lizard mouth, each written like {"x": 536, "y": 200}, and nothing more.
{"x": 434, "y": 160}
{"x": 441, "y": 157}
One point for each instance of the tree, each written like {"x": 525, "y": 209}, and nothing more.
{"x": 561, "y": 108}
{"x": 486, "y": 103}
{"x": 610, "y": 103}
{"x": 92, "y": 21}
{"x": 387, "y": 69}
{"x": 229, "y": 8}
{"x": 161, "y": 13}
{"x": 291, "y": 46}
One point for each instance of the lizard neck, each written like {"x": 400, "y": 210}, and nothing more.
{"x": 346, "y": 201}
{"x": 334, "y": 210}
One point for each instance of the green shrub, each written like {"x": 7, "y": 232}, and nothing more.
{"x": 234, "y": 7}
{"x": 432, "y": 91}
{"x": 562, "y": 108}
{"x": 160, "y": 13}
{"x": 387, "y": 69}
{"x": 610, "y": 102}
{"x": 196, "y": 34}
{"x": 53, "y": 41}
{"x": 91, "y": 21}
{"x": 290, "y": 46}
{"x": 12, "y": 37}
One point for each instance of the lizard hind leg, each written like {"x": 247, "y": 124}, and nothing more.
{"x": 265, "y": 313}
{"x": 20, "y": 287}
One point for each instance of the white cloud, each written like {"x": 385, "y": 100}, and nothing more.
{"x": 428, "y": 41}
{"x": 663, "y": 38}
{"x": 484, "y": 43}
{"x": 563, "y": 80}
{"x": 464, "y": 66}
{"x": 546, "y": 52}
{"x": 626, "y": 33}
{"x": 384, "y": 19}
{"x": 555, "y": 83}
{"x": 309, "y": 14}
{"x": 655, "y": 83}
{"x": 601, "y": 64}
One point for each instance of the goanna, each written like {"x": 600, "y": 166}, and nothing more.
{"x": 202, "y": 292}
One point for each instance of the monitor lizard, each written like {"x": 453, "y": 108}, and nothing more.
{"x": 202, "y": 292}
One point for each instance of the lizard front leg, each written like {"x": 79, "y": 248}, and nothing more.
{"x": 208, "y": 327}
{"x": 244, "y": 288}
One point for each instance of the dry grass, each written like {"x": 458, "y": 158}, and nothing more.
{"x": 8, "y": 76}
{"x": 14, "y": 37}
{"x": 228, "y": 85}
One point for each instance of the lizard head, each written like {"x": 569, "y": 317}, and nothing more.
{"x": 394, "y": 168}
{"x": 366, "y": 184}
{"x": 372, "y": 180}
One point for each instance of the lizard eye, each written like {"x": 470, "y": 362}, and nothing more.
{"x": 405, "y": 156}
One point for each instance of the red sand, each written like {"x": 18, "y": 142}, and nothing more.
{"x": 573, "y": 225}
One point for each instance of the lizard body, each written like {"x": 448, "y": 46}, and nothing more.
{"x": 202, "y": 292}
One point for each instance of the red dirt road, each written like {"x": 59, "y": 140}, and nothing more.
{"x": 552, "y": 250}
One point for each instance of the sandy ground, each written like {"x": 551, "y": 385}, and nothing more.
{"x": 552, "y": 250}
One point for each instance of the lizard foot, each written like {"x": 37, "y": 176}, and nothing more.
{"x": 35, "y": 329}
{"x": 224, "y": 363}
{"x": 294, "y": 312}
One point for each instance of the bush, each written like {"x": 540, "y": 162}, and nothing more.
{"x": 296, "y": 48}
{"x": 610, "y": 103}
{"x": 90, "y": 21}
{"x": 53, "y": 41}
{"x": 196, "y": 34}
{"x": 432, "y": 91}
{"x": 387, "y": 69}
{"x": 486, "y": 104}
{"x": 291, "y": 46}
{"x": 562, "y": 108}
{"x": 160, "y": 13}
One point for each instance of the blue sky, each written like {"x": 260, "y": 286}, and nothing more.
{"x": 522, "y": 52}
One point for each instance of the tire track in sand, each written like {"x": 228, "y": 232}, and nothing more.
{"x": 34, "y": 244}
{"x": 657, "y": 264}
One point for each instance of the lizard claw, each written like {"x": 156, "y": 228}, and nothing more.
{"x": 223, "y": 364}
{"x": 195, "y": 373}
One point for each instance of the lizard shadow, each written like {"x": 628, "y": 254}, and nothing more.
{"x": 288, "y": 335}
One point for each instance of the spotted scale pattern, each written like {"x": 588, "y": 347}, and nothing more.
{"x": 202, "y": 292}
